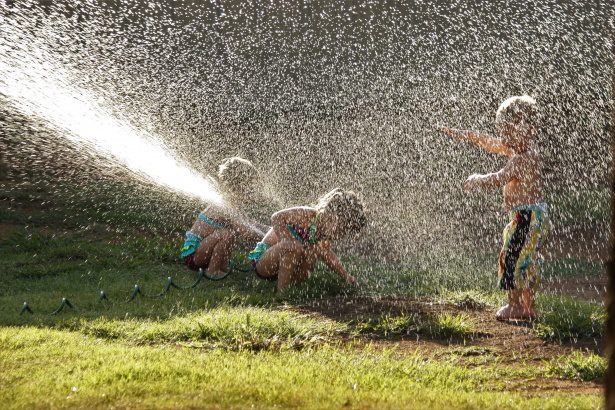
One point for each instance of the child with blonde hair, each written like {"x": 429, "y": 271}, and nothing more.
{"x": 302, "y": 235}
{"x": 520, "y": 261}
{"x": 220, "y": 228}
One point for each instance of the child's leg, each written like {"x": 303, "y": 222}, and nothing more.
{"x": 219, "y": 243}
{"x": 514, "y": 308}
{"x": 269, "y": 264}
{"x": 529, "y": 296}
{"x": 287, "y": 260}
{"x": 221, "y": 252}
{"x": 512, "y": 277}
{"x": 301, "y": 270}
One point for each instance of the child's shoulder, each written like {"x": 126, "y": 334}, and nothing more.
{"x": 297, "y": 213}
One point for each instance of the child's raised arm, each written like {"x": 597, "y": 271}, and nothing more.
{"x": 324, "y": 252}
{"x": 486, "y": 142}
{"x": 496, "y": 179}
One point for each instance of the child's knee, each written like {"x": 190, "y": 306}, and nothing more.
{"x": 227, "y": 237}
{"x": 292, "y": 252}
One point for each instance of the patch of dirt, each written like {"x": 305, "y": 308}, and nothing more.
{"x": 511, "y": 341}
{"x": 502, "y": 343}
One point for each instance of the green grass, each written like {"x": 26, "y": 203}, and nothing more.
{"x": 564, "y": 318}
{"x": 43, "y": 268}
{"x": 75, "y": 202}
{"x": 232, "y": 328}
{"x": 578, "y": 366}
{"x": 472, "y": 299}
{"x": 65, "y": 369}
{"x": 574, "y": 206}
{"x": 443, "y": 325}
{"x": 569, "y": 268}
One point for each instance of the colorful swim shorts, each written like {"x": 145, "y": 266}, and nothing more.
{"x": 520, "y": 258}
{"x": 190, "y": 246}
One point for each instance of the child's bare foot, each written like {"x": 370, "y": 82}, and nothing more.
{"x": 510, "y": 312}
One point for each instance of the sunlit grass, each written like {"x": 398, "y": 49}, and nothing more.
{"x": 58, "y": 368}
{"x": 472, "y": 299}
{"x": 578, "y": 366}
{"x": 565, "y": 318}
{"x": 232, "y": 328}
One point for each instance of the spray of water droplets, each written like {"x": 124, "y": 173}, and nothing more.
{"x": 323, "y": 94}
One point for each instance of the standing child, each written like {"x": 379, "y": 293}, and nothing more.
{"x": 218, "y": 229}
{"x": 520, "y": 259}
{"x": 301, "y": 235}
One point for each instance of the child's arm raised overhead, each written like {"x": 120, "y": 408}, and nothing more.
{"x": 496, "y": 179}
{"x": 324, "y": 252}
{"x": 486, "y": 142}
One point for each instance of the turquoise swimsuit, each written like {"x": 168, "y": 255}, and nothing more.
{"x": 258, "y": 252}
{"x": 193, "y": 241}
{"x": 305, "y": 236}
{"x": 206, "y": 219}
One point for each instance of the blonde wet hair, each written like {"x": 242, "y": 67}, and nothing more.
{"x": 347, "y": 206}
{"x": 235, "y": 173}
{"x": 520, "y": 111}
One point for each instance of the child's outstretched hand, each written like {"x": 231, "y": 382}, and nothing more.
{"x": 351, "y": 280}
{"x": 472, "y": 182}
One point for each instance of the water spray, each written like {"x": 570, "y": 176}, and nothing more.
{"x": 33, "y": 83}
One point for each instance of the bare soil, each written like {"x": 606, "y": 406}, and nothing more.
{"x": 511, "y": 339}
{"x": 6, "y": 229}
{"x": 501, "y": 343}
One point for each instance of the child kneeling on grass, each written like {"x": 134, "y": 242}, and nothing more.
{"x": 520, "y": 260}
{"x": 218, "y": 229}
{"x": 301, "y": 235}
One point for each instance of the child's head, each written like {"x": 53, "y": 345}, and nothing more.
{"x": 341, "y": 212}
{"x": 517, "y": 121}
{"x": 238, "y": 176}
